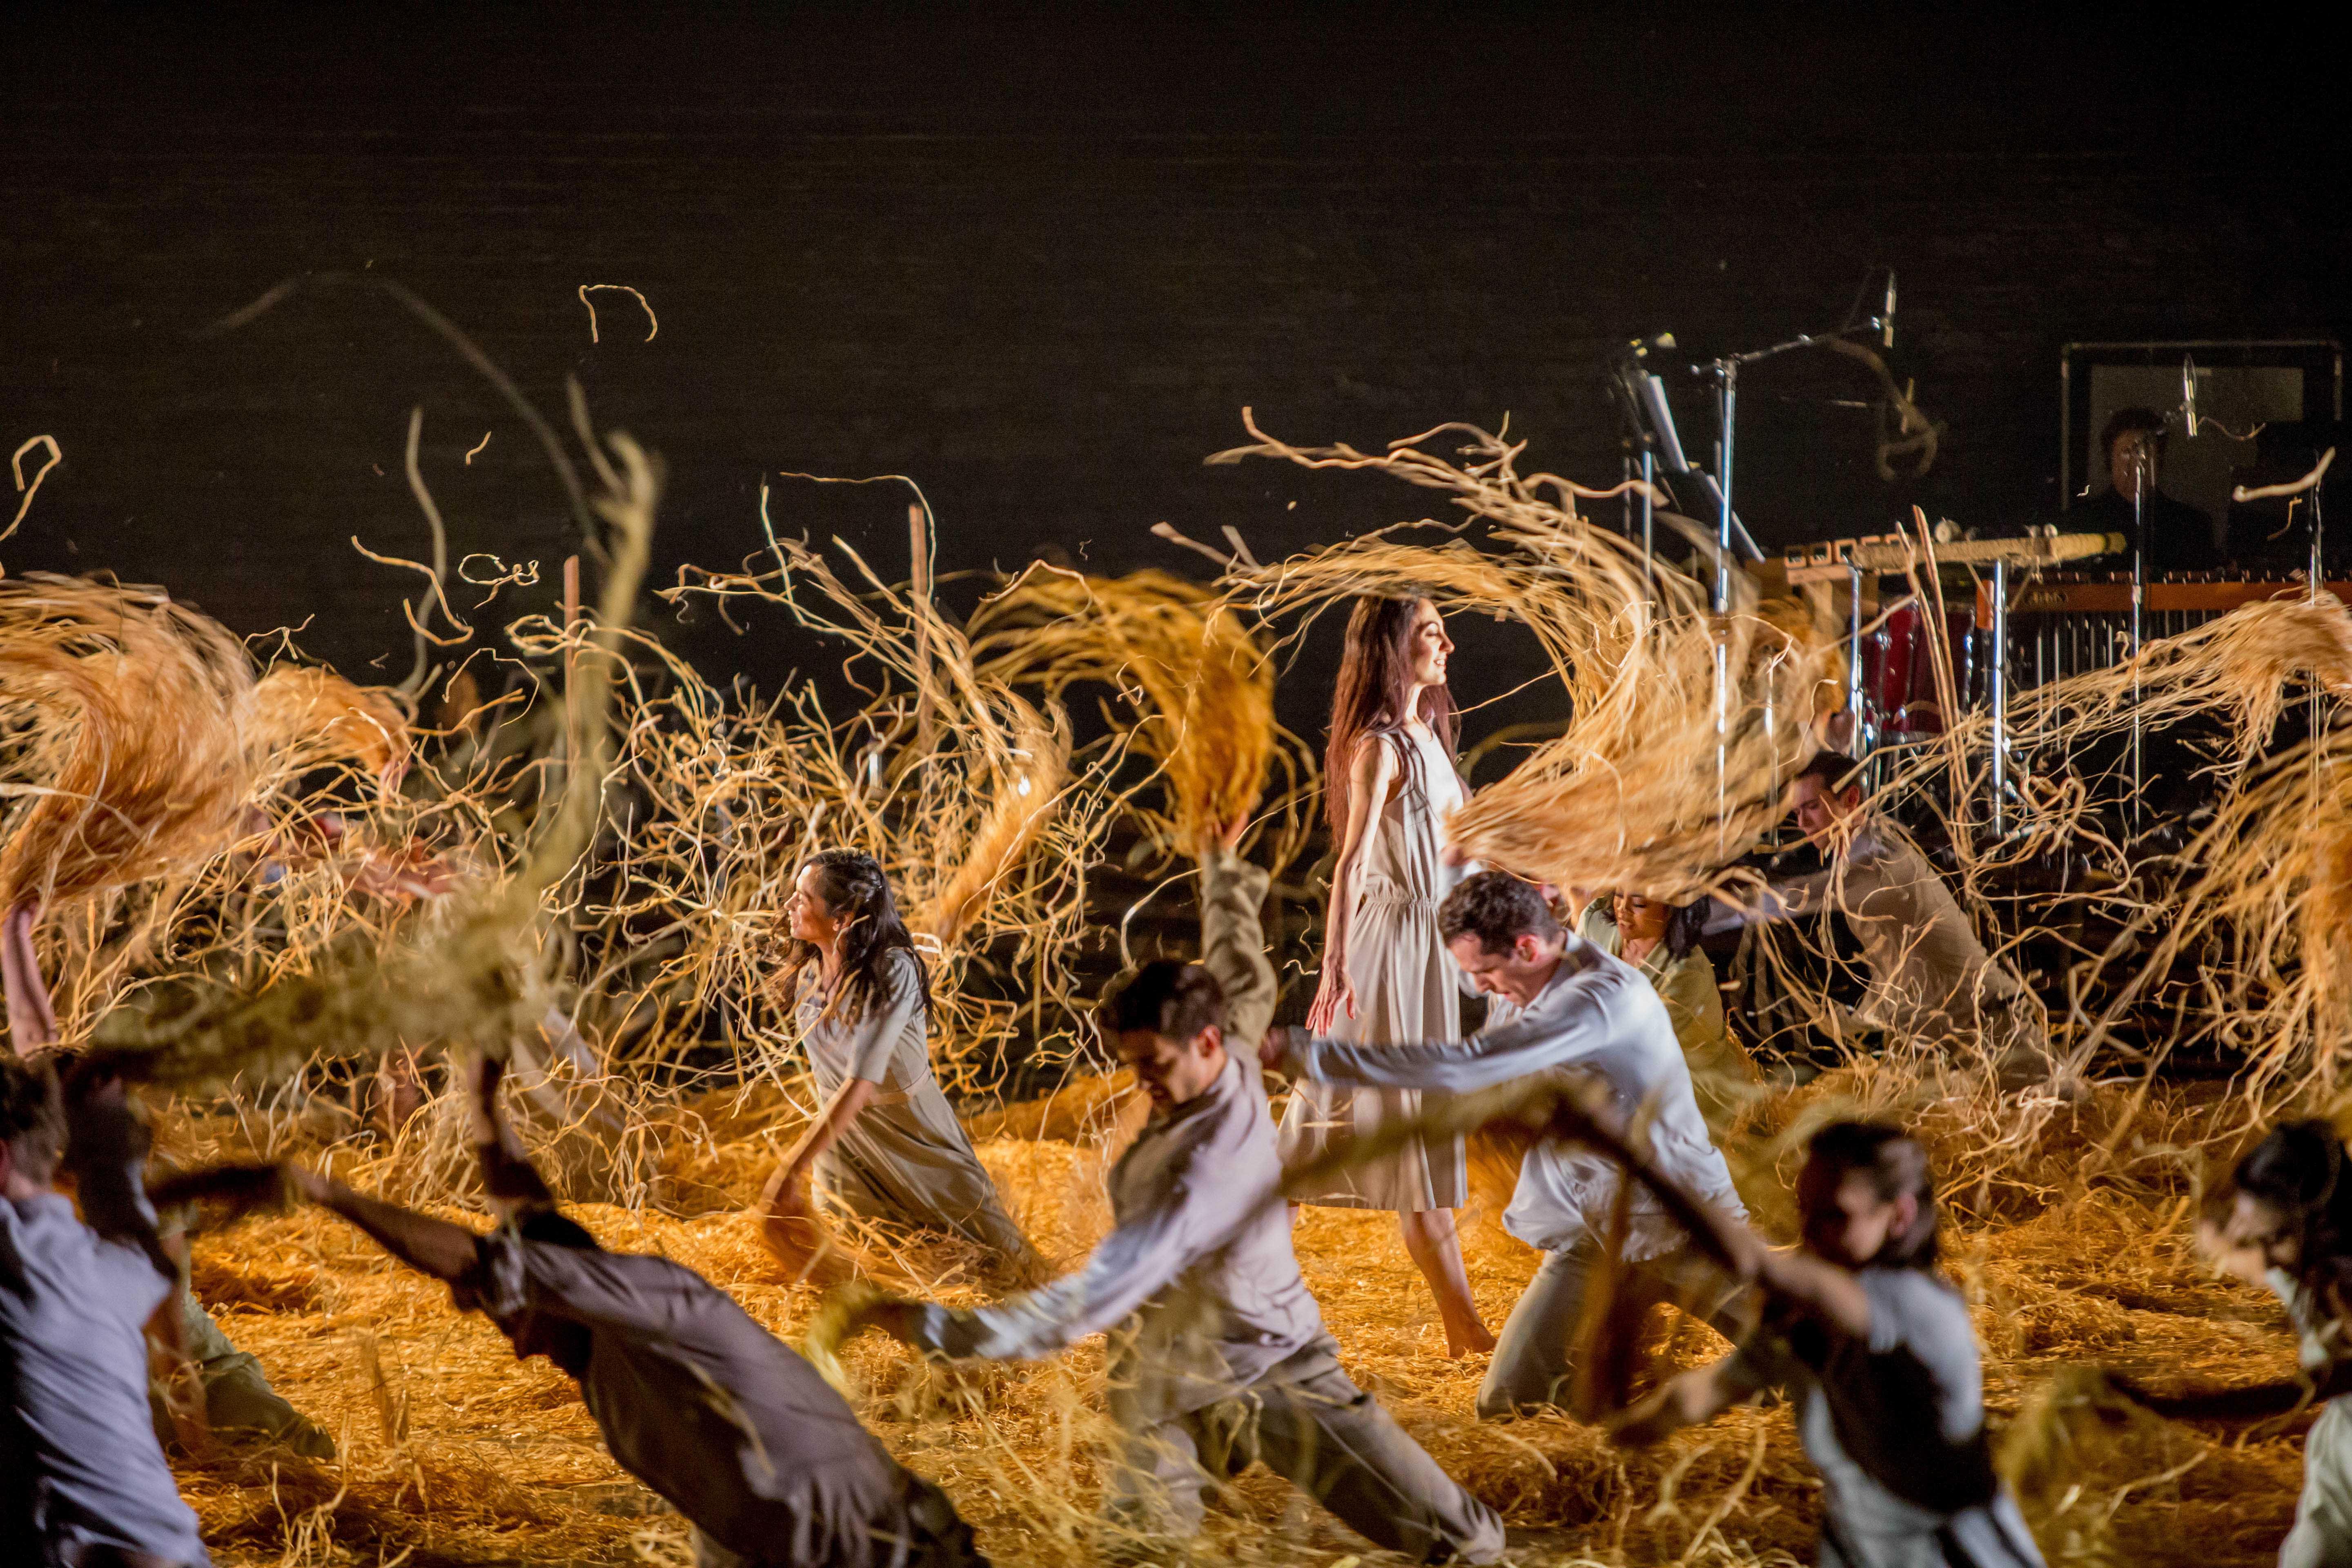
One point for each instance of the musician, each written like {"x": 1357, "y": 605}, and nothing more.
{"x": 1931, "y": 980}
{"x": 2179, "y": 538}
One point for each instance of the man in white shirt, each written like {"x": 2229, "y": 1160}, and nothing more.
{"x": 1227, "y": 1361}
{"x": 1558, "y": 1003}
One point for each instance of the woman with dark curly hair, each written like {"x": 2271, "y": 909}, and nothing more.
{"x": 1661, "y": 940}
{"x": 886, "y": 1146}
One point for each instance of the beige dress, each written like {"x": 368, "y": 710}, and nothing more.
{"x": 1407, "y": 990}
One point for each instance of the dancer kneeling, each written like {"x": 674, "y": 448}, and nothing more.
{"x": 1880, "y": 1352}
{"x": 694, "y": 1398}
{"x": 1558, "y": 1003}
{"x": 886, "y": 1144}
{"x": 1228, "y": 1361}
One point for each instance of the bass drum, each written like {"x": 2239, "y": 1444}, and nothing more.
{"x": 1898, "y": 670}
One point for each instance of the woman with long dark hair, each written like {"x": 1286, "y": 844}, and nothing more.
{"x": 1389, "y": 781}
{"x": 2285, "y": 1224}
{"x": 1661, "y": 940}
{"x": 886, "y": 1146}
{"x": 1876, "y": 1346}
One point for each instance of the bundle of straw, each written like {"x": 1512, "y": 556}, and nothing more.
{"x": 1199, "y": 688}
{"x": 1683, "y": 725}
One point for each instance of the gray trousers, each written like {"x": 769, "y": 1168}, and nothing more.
{"x": 1308, "y": 1424}
{"x": 1533, "y": 1365}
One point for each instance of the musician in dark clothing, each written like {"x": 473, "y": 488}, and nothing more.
{"x": 2179, "y": 538}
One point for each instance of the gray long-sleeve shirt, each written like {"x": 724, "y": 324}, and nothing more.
{"x": 707, "y": 1408}
{"x": 1929, "y": 975}
{"x": 80, "y": 1465}
{"x": 1597, "y": 1014}
{"x": 1200, "y": 1252}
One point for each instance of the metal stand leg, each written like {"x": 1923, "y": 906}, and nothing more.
{"x": 1999, "y": 686}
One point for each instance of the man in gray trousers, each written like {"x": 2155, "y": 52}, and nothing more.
{"x": 1226, "y": 1361}
{"x": 1559, "y": 1003}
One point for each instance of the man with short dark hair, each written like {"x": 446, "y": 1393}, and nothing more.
{"x": 693, "y": 1397}
{"x": 1931, "y": 980}
{"x": 1227, "y": 1361}
{"x": 1559, "y": 1004}
{"x": 83, "y": 1483}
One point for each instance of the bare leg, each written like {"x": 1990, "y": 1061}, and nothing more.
{"x": 31, "y": 1024}
{"x": 1429, "y": 1236}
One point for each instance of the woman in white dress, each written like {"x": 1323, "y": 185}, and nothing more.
{"x": 886, "y": 1146}
{"x": 1388, "y": 782}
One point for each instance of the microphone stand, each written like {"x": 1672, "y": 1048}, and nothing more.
{"x": 2138, "y": 598}
{"x": 1725, "y": 372}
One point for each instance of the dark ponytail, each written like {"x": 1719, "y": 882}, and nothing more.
{"x": 2298, "y": 1170}
{"x": 856, "y": 894}
{"x": 1894, "y": 1164}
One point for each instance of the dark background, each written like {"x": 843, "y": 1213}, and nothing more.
{"x": 1041, "y": 262}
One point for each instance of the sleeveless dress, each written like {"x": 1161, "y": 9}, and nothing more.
{"x": 906, "y": 1159}
{"x": 1407, "y": 990}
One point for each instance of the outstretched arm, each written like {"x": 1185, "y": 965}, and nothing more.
{"x": 445, "y": 1251}
{"x": 513, "y": 1184}
{"x": 2254, "y": 1402}
{"x": 106, "y": 1153}
{"x": 1233, "y": 939}
{"x": 1699, "y": 1394}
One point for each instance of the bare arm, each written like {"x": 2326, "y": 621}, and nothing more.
{"x": 847, "y": 1104}
{"x": 1699, "y": 1394}
{"x": 1370, "y": 775}
{"x": 513, "y": 1184}
{"x": 445, "y": 1251}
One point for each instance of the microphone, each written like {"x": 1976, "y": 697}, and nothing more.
{"x": 1886, "y": 314}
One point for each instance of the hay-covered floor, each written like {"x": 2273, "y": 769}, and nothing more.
{"x": 454, "y": 1452}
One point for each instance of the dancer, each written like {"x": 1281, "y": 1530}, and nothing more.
{"x": 1560, "y": 1002}
{"x": 1930, "y": 978}
{"x": 693, "y": 1397}
{"x": 1228, "y": 1361}
{"x": 84, "y": 1473}
{"x": 1388, "y": 782}
{"x": 2287, "y": 1228}
{"x": 1661, "y": 940}
{"x": 1878, "y": 1349}
{"x": 886, "y": 1144}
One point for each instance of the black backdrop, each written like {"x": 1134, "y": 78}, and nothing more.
{"x": 1040, "y": 263}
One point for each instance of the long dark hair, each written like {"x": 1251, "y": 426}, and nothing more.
{"x": 2298, "y": 1170}
{"x": 1894, "y": 1164}
{"x": 858, "y": 894}
{"x": 1375, "y": 682}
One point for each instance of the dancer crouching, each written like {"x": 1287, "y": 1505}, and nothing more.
{"x": 693, "y": 1397}
{"x": 1559, "y": 1003}
{"x": 2288, "y": 1228}
{"x": 1879, "y": 1349}
{"x": 886, "y": 1146}
{"x": 1228, "y": 1361}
